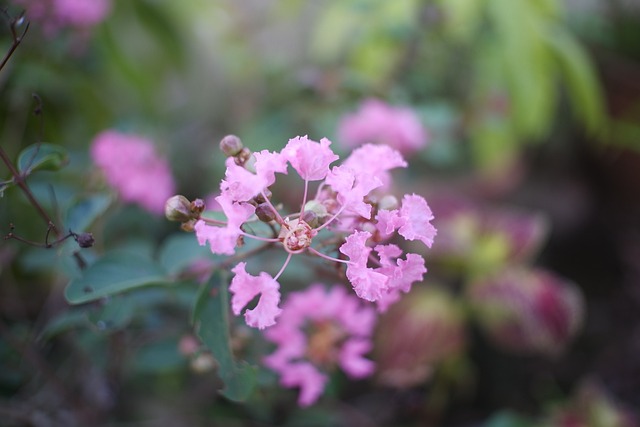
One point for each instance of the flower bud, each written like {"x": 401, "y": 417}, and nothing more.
{"x": 416, "y": 335}
{"x": 528, "y": 311}
{"x": 311, "y": 218}
{"x": 231, "y": 145}
{"x": 316, "y": 207}
{"x": 265, "y": 213}
{"x": 188, "y": 225}
{"x": 197, "y": 207}
{"x": 85, "y": 240}
{"x": 178, "y": 208}
{"x": 258, "y": 199}
{"x": 245, "y": 158}
{"x": 388, "y": 202}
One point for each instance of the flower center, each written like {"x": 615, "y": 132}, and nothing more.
{"x": 296, "y": 235}
{"x": 323, "y": 344}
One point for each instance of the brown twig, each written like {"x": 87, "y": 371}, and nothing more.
{"x": 14, "y": 23}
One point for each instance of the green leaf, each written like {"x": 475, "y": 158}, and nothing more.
{"x": 113, "y": 274}
{"x": 42, "y": 157}
{"x": 210, "y": 317}
{"x": 65, "y": 321}
{"x": 179, "y": 251}
{"x": 463, "y": 17}
{"x": 159, "y": 357}
{"x": 115, "y": 314}
{"x": 84, "y": 211}
{"x": 582, "y": 83}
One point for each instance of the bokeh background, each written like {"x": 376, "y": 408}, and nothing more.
{"x": 530, "y": 312}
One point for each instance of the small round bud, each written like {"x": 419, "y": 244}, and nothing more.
{"x": 242, "y": 156}
{"x": 311, "y": 218}
{"x": 197, "y": 206}
{"x": 85, "y": 240}
{"x": 260, "y": 198}
{"x": 178, "y": 208}
{"x": 231, "y": 145}
{"x": 316, "y": 207}
{"x": 188, "y": 225}
{"x": 388, "y": 203}
{"x": 265, "y": 213}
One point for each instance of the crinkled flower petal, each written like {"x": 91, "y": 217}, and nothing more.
{"x": 417, "y": 216}
{"x": 352, "y": 360}
{"x": 245, "y": 287}
{"x": 222, "y": 240}
{"x": 267, "y": 164}
{"x": 308, "y": 378}
{"x": 240, "y": 184}
{"x": 309, "y": 158}
{"x": 352, "y": 189}
{"x": 367, "y": 283}
{"x": 375, "y": 160}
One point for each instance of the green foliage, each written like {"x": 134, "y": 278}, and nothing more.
{"x": 42, "y": 156}
{"x": 112, "y": 274}
{"x": 210, "y": 318}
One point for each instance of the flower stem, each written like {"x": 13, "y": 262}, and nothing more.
{"x": 327, "y": 257}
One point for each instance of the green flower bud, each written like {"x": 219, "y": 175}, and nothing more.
{"x": 178, "y": 208}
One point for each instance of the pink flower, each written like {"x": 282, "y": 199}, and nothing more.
{"x": 343, "y": 204}
{"x": 382, "y": 284}
{"x": 309, "y": 159}
{"x": 378, "y": 122}
{"x": 134, "y": 169}
{"x": 317, "y": 331}
{"x": 413, "y": 220}
{"x": 246, "y": 287}
{"x": 223, "y": 240}
{"x": 54, "y": 15}
{"x": 528, "y": 311}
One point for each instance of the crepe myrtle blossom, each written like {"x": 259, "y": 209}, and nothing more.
{"x": 318, "y": 331}
{"x": 378, "y": 122}
{"x": 134, "y": 169}
{"x": 349, "y": 205}
{"x": 54, "y": 15}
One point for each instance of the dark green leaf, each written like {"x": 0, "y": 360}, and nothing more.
{"x": 65, "y": 321}
{"x": 115, "y": 313}
{"x": 581, "y": 80}
{"x": 210, "y": 316}
{"x": 42, "y": 157}
{"x": 158, "y": 357}
{"x": 113, "y": 274}
{"x": 179, "y": 251}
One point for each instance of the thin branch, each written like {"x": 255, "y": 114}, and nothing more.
{"x": 20, "y": 181}
{"x": 14, "y": 23}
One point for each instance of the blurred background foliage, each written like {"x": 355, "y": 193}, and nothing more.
{"x": 533, "y": 112}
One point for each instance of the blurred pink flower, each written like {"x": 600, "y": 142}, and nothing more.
{"x": 378, "y": 122}
{"x": 317, "y": 331}
{"x": 528, "y": 311}
{"x": 55, "y": 15}
{"x": 134, "y": 169}
{"x": 423, "y": 330}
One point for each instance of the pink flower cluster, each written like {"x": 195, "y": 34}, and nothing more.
{"x": 132, "y": 167}
{"x": 317, "y": 331}
{"x": 378, "y": 122}
{"x": 350, "y": 202}
{"x": 57, "y": 14}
